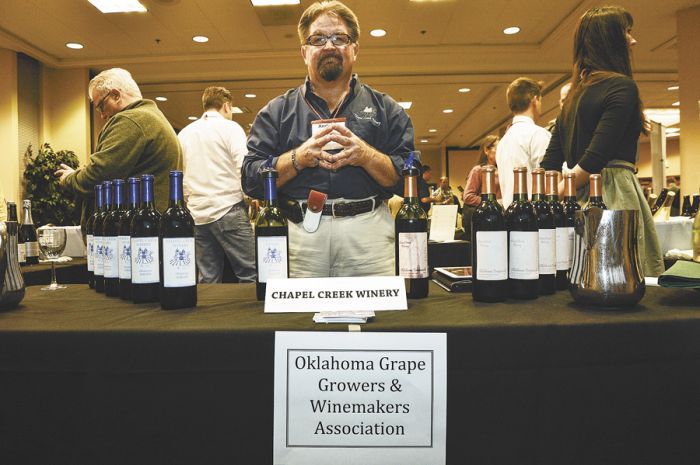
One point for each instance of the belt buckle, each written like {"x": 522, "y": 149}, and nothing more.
{"x": 333, "y": 210}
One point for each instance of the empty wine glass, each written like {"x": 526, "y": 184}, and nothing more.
{"x": 52, "y": 242}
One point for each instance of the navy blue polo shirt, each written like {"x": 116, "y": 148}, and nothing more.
{"x": 285, "y": 123}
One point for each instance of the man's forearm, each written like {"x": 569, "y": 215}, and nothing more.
{"x": 381, "y": 169}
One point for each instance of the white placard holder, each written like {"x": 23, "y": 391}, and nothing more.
{"x": 350, "y": 398}
{"x": 442, "y": 223}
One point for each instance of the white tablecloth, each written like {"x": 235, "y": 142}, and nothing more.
{"x": 676, "y": 233}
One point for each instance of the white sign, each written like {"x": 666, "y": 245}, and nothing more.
{"x": 335, "y": 294}
{"x": 351, "y": 398}
{"x": 442, "y": 223}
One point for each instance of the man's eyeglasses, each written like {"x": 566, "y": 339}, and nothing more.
{"x": 319, "y": 40}
{"x": 100, "y": 106}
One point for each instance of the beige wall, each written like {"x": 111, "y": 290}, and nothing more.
{"x": 9, "y": 127}
{"x": 461, "y": 163}
{"x": 673, "y": 158}
{"x": 689, "y": 93}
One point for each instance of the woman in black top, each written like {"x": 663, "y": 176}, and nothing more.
{"x": 600, "y": 123}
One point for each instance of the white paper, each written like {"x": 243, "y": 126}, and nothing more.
{"x": 442, "y": 223}
{"x": 358, "y": 316}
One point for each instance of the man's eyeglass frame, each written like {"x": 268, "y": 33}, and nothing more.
{"x": 100, "y": 106}
{"x": 320, "y": 40}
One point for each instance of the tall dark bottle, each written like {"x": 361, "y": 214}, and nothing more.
{"x": 178, "y": 282}
{"x": 98, "y": 231}
{"x": 132, "y": 205}
{"x": 145, "y": 250}
{"x": 571, "y": 206}
{"x": 547, "y": 234}
{"x": 561, "y": 238}
{"x": 28, "y": 232}
{"x": 271, "y": 237}
{"x": 596, "y": 193}
{"x": 21, "y": 248}
{"x": 90, "y": 232}
{"x": 660, "y": 200}
{"x": 687, "y": 209}
{"x": 411, "y": 236}
{"x": 489, "y": 244}
{"x": 696, "y": 205}
{"x": 523, "y": 241}
{"x": 110, "y": 240}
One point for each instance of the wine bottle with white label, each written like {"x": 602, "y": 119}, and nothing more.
{"x": 31, "y": 244}
{"x": 178, "y": 277}
{"x": 133, "y": 196}
{"x": 271, "y": 236}
{"x": 145, "y": 251}
{"x": 107, "y": 192}
{"x": 411, "y": 236}
{"x": 546, "y": 251}
{"x": 563, "y": 253}
{"x": 523, "y": 241}
{"x": 489, "y": 244}
{"x": 110, "y": 240}
{"x": 90, "y": 235}
{"x": 571, "y": 206}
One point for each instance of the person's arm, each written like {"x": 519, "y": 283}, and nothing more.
{"x": 472, "y": 191}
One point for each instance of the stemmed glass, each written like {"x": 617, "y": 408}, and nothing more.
{"x": 52, "y": 242}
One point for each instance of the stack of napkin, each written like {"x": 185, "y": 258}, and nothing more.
{"x": 683, "y": 274}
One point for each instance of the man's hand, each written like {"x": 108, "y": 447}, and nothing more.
{"x": 310, "y": 154}
{"x": 63, "y": 173}
{"x": 355, "y": 152}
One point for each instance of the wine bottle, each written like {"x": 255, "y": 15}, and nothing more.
{"x": 90, "y": 232}
{"x": 561, "y": 240}
{"x": 31, "y": 244}
{"x": 696, "y": 239}
{"x": 145, "y": 250}
{"x": 571, "y": 206}
{"x": 687, "y": 209}
{"x": 547, "y": 234}
{"x": 664, "y": 211}
{"x": 21, "y": 248}
{"x": 110, "y": 240}
{"x": 596, "y": 193}
{"x": 489, "y": 244}
{"x": 271, "y": 236}
{"x": 98, "y": 231}
{"x": 124, "y": 241}
{"x": 411, "y": 236}
{"x": 523, "y": 241}
{"x": 696, "y": 204}
{"x": 660, "y": 200}
{"x": 178, "y": 282}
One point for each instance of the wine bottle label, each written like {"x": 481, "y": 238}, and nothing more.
{"x": 110, "y": 256}
{"x": 413, "y": 255}
{"x": 21, "y": 253}
{"x": 547, "y": 251}
{"x": 90, "y": 247}
{"x": 98, "y": 264}
{"x": 492, "y": 255}
{"x": 145, "y": 268}
{"x": 523, "y": 262}
{"x": 272, "y": 257}
{"x": 564, "y": 248}
{"x": 570, "y": 236}
{"x": 32, "y": 248}
{"x": 124, "y": 244}
{"x": 178, "y": 262}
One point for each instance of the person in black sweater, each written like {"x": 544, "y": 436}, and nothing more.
{"x": 600, "y": 123}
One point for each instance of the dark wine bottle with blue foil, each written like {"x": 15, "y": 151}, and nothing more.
{"x": 523, "y": 241}
{"x": 271, "y": 236}
{"x": 110, "y": 240}
{"x": 411, "y": 236}
{"x": 107, "y": 192}
{"x": 489, "y": 244}
{"x": 90, "y": 236}
{"x": 133, "y": 196}
{"x": 145, "y": 251}
{"x": 547, "y": 234}
{"x": 178, "y": 272}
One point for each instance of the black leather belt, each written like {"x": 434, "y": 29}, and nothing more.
{"x": 344, "y": 209}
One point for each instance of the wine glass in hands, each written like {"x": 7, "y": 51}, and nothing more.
{"x": 52, "y": 242}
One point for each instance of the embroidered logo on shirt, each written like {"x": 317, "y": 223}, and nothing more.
{"x": 368, "y": 114}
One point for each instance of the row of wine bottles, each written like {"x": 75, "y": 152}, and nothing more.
{"x": 527, "y": 250}
{"x": 27, "y": 242}
{"x": 661, "y": 205}
{"x": 136, "y": 253}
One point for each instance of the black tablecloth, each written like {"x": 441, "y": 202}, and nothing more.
{"x": 86, "y": 379}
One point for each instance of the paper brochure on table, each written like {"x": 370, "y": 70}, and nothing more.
{"x": 348, "y": 316}
{"x": 442, "y": 223}
{"x": 360, "y": 398}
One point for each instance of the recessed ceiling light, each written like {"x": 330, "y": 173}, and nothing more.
{"x": 405, "y": 105}
{"x": 162, "y": 99}
{"x": 511, "y": 30}
{"x": 377, "y": 32}
{"x": 666, "y": 116}
{"x": 118, "y": 6}
{"x": 250, "y": 95}
{"x": 464, "y": 90}
{"x": 673, "y": 134}
{"x": 424, "y": 141}
{"x": 672, "y": 130}
{"x": 432, "y": 130}
{"x": 236, "y": 110}
{"x": 74, "y": 45}
{"x": 676, "y": 104}
{"x": 274, "y": 2}
{"x": 448, "y": 110}
{"x": 192, "y": 118}
{"x": 673, "y": 88}
{"x": 200, "y": 39}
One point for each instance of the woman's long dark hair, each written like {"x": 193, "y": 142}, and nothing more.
{"x": 601, "y": 51}
{"x": 486, "y": 144}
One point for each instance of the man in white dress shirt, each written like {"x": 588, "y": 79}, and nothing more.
{"x": 524, "y": 143}
{"x": 213, "y": 148}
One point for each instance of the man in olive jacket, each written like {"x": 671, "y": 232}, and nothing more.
{"x": 136, "y": 139}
